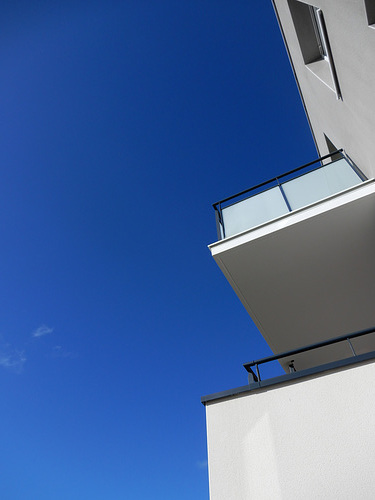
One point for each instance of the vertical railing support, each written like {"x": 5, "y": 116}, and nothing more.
{"x": 252, "y": 378}
{"x": 283, "y": 194}
{"x": 219, "y": 223}
{"x": 258, "y": 374}
{"x": 360, "y": 174}
{"x": 351, "y": 347}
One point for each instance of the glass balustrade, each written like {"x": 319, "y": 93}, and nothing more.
{"x": 247, "y": 210}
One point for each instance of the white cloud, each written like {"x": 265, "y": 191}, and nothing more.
{"x": 12, "y": 360}
{"x": 42, "y": 330}
{"x": 59, "y": 352}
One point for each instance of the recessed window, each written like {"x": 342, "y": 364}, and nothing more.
{"x": 370, "y": 12}
{"x": 306, "y": 30}
{"x": 314, "y": 43}
{"x": 320, "y": 38}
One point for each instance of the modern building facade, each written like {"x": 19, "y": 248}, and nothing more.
{"x": 298, "y": 251}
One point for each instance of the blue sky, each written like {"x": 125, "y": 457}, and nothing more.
{"x": 122, "y": 122}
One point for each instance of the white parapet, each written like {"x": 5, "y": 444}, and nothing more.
{"x": 307, "y": 439}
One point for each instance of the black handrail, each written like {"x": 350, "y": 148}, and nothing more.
{"x": 310, "y": 347}
{"x": 275, "y": 179}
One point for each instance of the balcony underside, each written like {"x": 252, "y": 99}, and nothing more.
{"x": 310, "y": 275}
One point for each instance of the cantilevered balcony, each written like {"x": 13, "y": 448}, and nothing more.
{"x": 299, "y": 252}
{"x": 283, "y": 194}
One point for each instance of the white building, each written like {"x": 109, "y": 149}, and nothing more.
{"x": 299, "y": 251}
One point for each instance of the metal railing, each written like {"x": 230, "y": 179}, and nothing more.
{"x": 278, "y": 182}
{"x": 255, "y": 377}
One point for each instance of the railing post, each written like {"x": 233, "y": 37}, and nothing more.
{"x": 317, "y": 345}
{"x": 351, "y": 347}
{"x": 258, "y": 374}
{"x": 283, "y": 194}
{"x": 360, "y": 174}
{"x": 252, "y": 378}
{"x": 219, "y": 223}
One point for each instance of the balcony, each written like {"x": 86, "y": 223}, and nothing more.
{"x": 299, "y": 253}
{"x": 283, "y": 194}
{"x": 356, "y": 348}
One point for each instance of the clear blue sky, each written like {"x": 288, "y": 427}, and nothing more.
{"x": 121, "y": 123}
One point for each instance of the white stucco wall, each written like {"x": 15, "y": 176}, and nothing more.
{"x": 311, "y": 439}
{"x": 349, "y": 123}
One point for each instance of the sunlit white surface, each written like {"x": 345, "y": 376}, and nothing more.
{"x": 299, "y": 192}
{"x": 320, "y": 183}
{"x": 254, "y": 211}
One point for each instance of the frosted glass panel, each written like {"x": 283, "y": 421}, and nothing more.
{"x": 320, "y": 183}
{"x": 300, "y": 192}
{"x": 253, "y": 211}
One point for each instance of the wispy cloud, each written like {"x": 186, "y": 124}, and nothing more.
{"x": 12, "y": 359}
{"x": 60, "y": 352}
{"x": 42, "y": 330}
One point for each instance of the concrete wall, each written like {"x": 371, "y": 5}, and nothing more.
{"x": 348, "y": 123}
{"x": 311, "y": 439}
